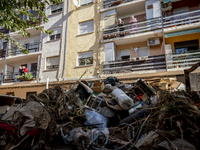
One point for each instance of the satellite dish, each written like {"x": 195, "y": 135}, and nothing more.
{"x": 75, "y": 3}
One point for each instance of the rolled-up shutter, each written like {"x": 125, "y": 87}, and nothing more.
{"x": 86, "y": 27}
{"x": 84, "y": 2}
{"x": 55, "y": 7}
{"x": 85, "y": 54}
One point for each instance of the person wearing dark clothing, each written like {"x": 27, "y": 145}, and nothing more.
{"x": 121, "y": 28}
{"x": 20, "y": 70}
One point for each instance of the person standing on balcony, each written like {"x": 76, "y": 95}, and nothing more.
{"x": 133, "y": 21}
{"x": 20, "y": 70}
{"x": 120, "y": 25}
{"x": 25, "y": 70}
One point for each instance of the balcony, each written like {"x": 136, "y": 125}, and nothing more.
{"x": 185, "y": 18}
{"x": 32, "y": 48}
{"x": 182, "y": 60}
{"x": 10, "y": 77}
{"x": 135, "y": 65}
{"x": 132, "y": 30}
{"x": 112, "y": 3}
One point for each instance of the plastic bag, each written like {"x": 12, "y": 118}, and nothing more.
{"x": 95, "y": 119}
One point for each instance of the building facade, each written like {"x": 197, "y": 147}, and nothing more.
{"x": 123, "y": 38}
{"x": 46, "y": 55}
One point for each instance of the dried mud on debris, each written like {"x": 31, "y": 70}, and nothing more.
{"x": 111, "y": 115}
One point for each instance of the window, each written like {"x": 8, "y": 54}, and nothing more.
{"x": 52, "y": 62}
{"x": 186, "y": 46}
{"x": 125, "y": 54}
{"x": 86, "y": 27}
{"x": 56, "y": 35}
{"x": 33, "y": 67}
{"x": 85, "y": 2}
{"x": 85, "y": 58}
{"x": 56, "y": 8}
{"x": 30, "y": 93}
{"x": 4, "y": 45}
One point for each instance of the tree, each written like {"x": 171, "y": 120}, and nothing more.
{"x": 11, "y": 12}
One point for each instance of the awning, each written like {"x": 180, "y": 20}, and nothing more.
{"x": 178, "y": 33}
{"x": 166, "y": 1}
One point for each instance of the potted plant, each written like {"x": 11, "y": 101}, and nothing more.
{"x": 28, "y": 76}
{"x": 25, "y": 77}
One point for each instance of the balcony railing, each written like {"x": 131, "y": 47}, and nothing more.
{"x": 183, "y": 60}
{"x": 136, "y": 64}
{"x": 111, "y": 3}
{"x": 32, "y": 48}
{"x": 2, "y": 53}
{"x": 131, "y": 29}
{"x": 183, "y": 18}
{"x": 11, "y": 77}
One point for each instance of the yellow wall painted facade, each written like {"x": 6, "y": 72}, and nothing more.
{"x": 82, "y": 43}
{"x": 172, "y": 40}
{"x": 21, "y": 92}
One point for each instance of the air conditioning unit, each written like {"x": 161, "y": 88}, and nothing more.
{"x": 153, "y": 41}
{"x": 166, "y": 6}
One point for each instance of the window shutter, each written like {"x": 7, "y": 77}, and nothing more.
{"x": 143, "y": 51}
{"x": 85, "y": 54}
{"x": 110, "y": 21}
{"x": 181, "y": 9}
{"x": 108, "y": 13}
{"x": 109, "y": 51}
{"x": 83, "y": 2}
{"x": 55, "y": 7}
{"x": 52, "y": 61}
{"x": 86, "y": 27}
{"x": 57, "y": 31}
{"x": 125, "y": 52}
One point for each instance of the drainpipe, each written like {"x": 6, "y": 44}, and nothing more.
{"x": 61, "y": 43}
{"x": 163, "y": 33}
{"x": 66, "y": 42}
{"x": 4, "y": 65}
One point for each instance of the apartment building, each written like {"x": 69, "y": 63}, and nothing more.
{"x": 162, "y": 42}
{"x": 157, "y": 39}
{"x": 45, "y": 58}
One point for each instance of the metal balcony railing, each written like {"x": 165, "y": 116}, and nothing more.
{"x": 136, "y": 64}
{"x": 2, "y": 53}
{"x": 183, "y": 18}
{"x": 11, "y": 77}
{"x": 132, "y": 28}
{"x": 182, "y": 60}
{"x": 111, "y": 3}
{"x": 32, "y": 48}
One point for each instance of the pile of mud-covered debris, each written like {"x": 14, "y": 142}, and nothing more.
{"x": 111, "y": 115}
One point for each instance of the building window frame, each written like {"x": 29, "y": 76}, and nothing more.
{"x": 85, "y": 58}
{"x": 52, "y": 65}
{"x": 86, "y": 26}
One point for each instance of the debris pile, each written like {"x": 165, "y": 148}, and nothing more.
{"x": 118, "y": 116}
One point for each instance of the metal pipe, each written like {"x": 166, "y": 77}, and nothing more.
{"x": 4, "y": 65}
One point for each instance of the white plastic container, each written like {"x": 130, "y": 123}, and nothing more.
{"x": 122, "y": 99}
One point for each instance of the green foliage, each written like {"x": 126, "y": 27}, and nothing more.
{"x": 10, "y": 11}
{"x": 27, "y": 76}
